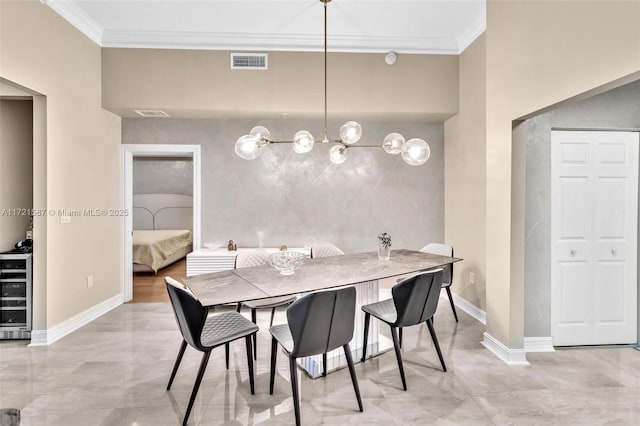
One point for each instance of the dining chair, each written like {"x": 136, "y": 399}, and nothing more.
{"x": 325, "y": 250}
{"x": 317, "y": 323}
{"x": 414, "y": 301}
{"x": 205, "y": 332}
{"x": 447, "y": 278}
{"x": 246, "y": 259}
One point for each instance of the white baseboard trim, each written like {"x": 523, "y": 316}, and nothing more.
{"x": 57, "y": 332}
{"x": 470, "y": 308}
{"x": 509, "y": 356}
{"x": 538, "y": 344}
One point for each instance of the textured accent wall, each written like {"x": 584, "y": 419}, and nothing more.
{"x": 296, "y": 198}
{"x": 618, "y": 108}
{"x": 162, "y": 175}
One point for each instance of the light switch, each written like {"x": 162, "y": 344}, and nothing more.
{"x": 472, "y": 278}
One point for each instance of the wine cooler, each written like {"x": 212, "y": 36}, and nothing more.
{"x": 15, "y": 295}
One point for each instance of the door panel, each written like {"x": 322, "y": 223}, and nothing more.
{"x": 610, "y": 300}
{"x": 612, "y": 207}
{"x": 574, "y": 297}
{"x": 594, "y": 237}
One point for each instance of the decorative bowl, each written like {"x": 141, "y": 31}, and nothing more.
{"x": 286, "y": 261}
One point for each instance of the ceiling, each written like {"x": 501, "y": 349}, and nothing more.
{"x": 403, "y": 26}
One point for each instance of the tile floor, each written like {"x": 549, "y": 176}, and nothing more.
{"x": 114, "y": 372}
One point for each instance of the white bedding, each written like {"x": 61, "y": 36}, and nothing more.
{"x": 153, "y": 247}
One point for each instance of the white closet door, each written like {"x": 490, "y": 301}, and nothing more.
{"x": 594, "y": 216}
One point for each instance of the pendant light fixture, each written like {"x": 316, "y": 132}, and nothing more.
{"x": 414, "y": 151}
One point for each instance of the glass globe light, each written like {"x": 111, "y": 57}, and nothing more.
{"x": 350, "y": 132}
{"x": 261, "y": 132}
{"x": 392, "y": 143}
{"x": 303, "y": 142}
{"x": 416, "y": 152}
{"x": 338, "y": 154}
{"x": 248, "y": 147}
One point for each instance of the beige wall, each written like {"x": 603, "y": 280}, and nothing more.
{"x": 16, "y": 174}
{"x": 200, "y": 83}
{"x": 539, "y": 53}
{"x": 465, "y": 176}
{"x": 39, "y": 50}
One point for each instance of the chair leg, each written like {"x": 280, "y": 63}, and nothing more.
{"x": 436, "y": 344}
{"x": 274, "y": 354}
{"x": 273, "y": 314}
{"x": 352, "y": 372}
{"x": 396, "y": 346}
{"x": 294, "y": 388}
{"x": 226, "y": 354}
{"x": 255, "y": 342}
{"x": 250, "y": 363}
{"x": 324, "y": 364}
{"x": 367, "y": 318}
{"x": 400, "y": 335}
{"x": 453, "y": 307}
{"x": 183, "y": 346}
{"x": 239, "y": 307}
{"x": 196, "y": 386}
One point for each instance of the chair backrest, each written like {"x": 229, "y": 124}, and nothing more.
{"x": 416, "y": 298}
{"x": 322, "y": 321}
{"x": 246, "y": 259}
{"x": 189, "y": 312}
{"x": 325, "y": 250}
{"x": 442, "y": 250}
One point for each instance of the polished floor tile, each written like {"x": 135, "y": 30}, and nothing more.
{"x": 114, "y": 371}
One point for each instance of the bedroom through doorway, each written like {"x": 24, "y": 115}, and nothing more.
{"x": 161, "y": 191}
{"x": 162, "y": 223}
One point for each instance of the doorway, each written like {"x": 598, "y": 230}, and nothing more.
{"x": 594, "y": 223}
{"x": 129, "y": 151}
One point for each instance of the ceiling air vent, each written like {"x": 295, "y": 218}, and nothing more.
{"x": 150, "y": 113}
{"x": 249, "y": 61}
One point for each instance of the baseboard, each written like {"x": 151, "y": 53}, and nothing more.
{"x": 509, "y": 356}
{"x": 538, "y": 344}
{"x": 470, "y": 308}
{"x": 57, "y": 332}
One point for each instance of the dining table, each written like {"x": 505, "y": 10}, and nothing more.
{"x": 362, "y": 270}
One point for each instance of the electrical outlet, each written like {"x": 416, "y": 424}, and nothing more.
{"x": 90, "y": 281}
{"x": 65, "y": 219}
{"x": 472, "y": 278}
{"x": 29, "y": 235}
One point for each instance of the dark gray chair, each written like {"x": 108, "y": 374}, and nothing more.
{"x": 414, "y": 301}
{"x": 205, "y": 332}
{"x": 317, "y": 323}
{"x": 447, "y": 278}
{"x": 246, "y": 259}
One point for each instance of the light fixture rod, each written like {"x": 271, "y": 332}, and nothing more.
{"x": 324, "y": 139}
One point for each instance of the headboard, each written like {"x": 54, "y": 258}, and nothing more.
{"x": 162, "y": 211}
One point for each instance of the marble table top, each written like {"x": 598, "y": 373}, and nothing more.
{"x": 263, "y": 281}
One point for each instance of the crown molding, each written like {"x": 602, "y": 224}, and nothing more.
{"x": 465, "y": 39}
{"x": 276, "y": 42}
{"x": 70, "y": 11}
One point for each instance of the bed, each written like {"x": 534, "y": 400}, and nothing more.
{"x": 162, "y": 225}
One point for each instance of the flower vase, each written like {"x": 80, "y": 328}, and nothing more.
{"x": 384, "y": 252}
